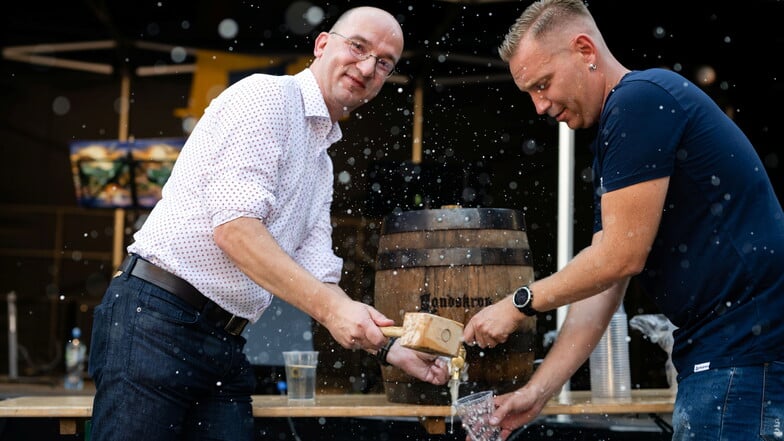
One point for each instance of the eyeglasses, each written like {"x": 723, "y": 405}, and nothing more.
{"x": 384, "y": 66}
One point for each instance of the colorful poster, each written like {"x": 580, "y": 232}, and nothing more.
{"x": 118, "y": 174}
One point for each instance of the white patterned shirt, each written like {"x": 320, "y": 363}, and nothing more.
{"x": 259, "y": 151}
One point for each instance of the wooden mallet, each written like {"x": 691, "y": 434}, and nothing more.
{"x": 428, "y": 333}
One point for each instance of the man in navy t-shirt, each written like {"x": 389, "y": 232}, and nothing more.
{"x": 683, "y": 202}
{"x": 713, "y": 267}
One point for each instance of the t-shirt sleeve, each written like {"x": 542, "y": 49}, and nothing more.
{"x": 637, "y": 139}
{"x": 639, "y": 136}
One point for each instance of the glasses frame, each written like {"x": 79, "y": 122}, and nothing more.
{"x": 353, "y": 49}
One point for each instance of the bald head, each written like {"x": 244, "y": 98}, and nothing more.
{"x": 355, "y": 17}
{"x": 348, "y": 59}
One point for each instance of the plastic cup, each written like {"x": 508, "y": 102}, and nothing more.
{"x": 609, "y": 362}
{"x": 474, "y": 411}
{"x": 301, "y": 376}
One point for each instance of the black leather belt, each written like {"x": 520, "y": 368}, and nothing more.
{"x": 138, "y": 267}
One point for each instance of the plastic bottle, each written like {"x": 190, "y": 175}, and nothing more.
{"x": 609, "y": 362}
{"x": 75, "y": 357}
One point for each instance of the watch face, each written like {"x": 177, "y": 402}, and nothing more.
{"x": 521, "y": 297}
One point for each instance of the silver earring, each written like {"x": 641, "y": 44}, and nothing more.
{"x": 592, "y": 67}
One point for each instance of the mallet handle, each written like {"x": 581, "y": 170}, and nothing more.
{"x": 392, "y": 331}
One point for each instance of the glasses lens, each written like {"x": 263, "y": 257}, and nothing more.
{"x": 357, "y": 50}
{"x": 384, "y": 67}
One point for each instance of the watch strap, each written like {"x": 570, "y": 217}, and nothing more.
{"x": 382, "y": 353}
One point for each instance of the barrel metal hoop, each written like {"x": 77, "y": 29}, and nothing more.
{"x": 418, "y": 257}
{"x": 454, "y": 219}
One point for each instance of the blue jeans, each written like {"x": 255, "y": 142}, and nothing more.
{"x": 163, "y": 373}
{"x": 733, "y": 404}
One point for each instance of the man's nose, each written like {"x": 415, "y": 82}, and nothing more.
{"x": 367, "y": 66}
{"x": 541, "y": 104}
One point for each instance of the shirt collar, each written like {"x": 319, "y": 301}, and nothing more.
{"x": 314, "y": 102}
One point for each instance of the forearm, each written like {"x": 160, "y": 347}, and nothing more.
{"x": 582, "y": 329}
{"x": 593, "y": 270}
{"x": 248, "y": 243}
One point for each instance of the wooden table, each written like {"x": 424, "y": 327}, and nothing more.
{"x": 69, "y": 409}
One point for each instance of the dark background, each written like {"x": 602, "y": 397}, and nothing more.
{"x": 481, "y": 136}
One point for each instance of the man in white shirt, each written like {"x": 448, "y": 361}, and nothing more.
{"x": 244, "y": 216}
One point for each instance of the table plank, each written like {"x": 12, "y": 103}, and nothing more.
{"x": 59, "y": 406}
{"x": 356, "y": 405}
{"x": 641, "y": 401}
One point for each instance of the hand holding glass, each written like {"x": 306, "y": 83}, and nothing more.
{"x": 474, "y": 411}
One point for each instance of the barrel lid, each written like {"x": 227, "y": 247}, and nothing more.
{"x": 454, "y": 219}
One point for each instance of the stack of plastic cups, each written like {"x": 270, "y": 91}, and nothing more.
{"x": 609, "y": 363}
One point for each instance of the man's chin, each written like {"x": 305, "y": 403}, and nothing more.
{"x": 350, "y": 106}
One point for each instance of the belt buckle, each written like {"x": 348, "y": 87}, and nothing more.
{"x": 235, "y": 325}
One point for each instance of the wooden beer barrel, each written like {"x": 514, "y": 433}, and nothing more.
{"x": 453, "y": 262}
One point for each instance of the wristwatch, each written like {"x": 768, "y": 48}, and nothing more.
{"x": 523, "y": 299}
{"x": 382, "y": 353}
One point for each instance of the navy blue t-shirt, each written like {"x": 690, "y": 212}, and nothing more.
{"x": 716, "y": 269}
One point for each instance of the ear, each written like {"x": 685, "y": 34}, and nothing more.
{"x": 321, "y": 42}
{"x": 585, "y": 46}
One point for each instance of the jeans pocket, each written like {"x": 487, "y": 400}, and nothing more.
{"x": 162, "y": 333}
{"x": 165, "y": 306}
{"x": 99, "y": 341}
{"x": 773, "y": 402}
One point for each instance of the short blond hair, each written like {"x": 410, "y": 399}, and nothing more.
{"x": 539, "y": 19}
